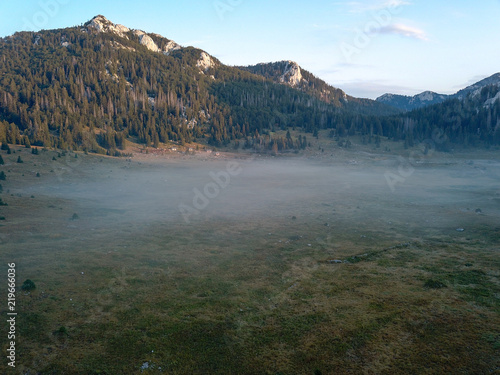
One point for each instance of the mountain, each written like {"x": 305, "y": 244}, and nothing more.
{"x": 493, "y": 80}
{"x": 408, "y": 103}
{"x": 283, "y": 72}
{"x": 97, "y": 86}
{"x": 153, "y": 42}
{"x": 92, "y": 87}
{"x": 291, "y": 74}
{"x": 465, "y": 120}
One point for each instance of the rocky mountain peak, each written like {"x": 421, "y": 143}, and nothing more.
{"x": 102, "y": 25}
{"x": 292, "y": 74}
{"x": 426, "y": 96}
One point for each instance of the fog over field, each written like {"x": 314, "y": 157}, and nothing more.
{"x": 242, "y": 264}
{"x": 432, "y": 195}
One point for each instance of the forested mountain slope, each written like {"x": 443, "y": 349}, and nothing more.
{"x": 92, "y": 87}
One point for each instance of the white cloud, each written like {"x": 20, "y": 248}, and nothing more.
{"x": 394, "y": 3}
{"x": 360, "y": 7}
{"x": 403, "y": 30}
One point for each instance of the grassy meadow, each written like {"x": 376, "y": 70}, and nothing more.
{"x": 298, "y": 266}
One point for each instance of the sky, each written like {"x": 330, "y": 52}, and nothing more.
{"x": 366, "y": 47}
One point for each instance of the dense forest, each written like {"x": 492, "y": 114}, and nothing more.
{"x": 80, "y": 89}
{"x": 319, "y": 89}
{"x": 473, "y": 121}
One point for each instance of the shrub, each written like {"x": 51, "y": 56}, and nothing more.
{"x": 62, "y": 331}
{"x": 2, "y": 175}
{"x": 1, "y": 160}
{"x": 19, "y": 160}
{"x": 28, "y": 285}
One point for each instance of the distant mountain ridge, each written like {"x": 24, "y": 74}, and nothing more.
{"x": 426, "y": 98}
{"x": 408, "y": 103}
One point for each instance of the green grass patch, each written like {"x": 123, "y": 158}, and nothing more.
{"x": 434, "y": 284}
{"x": 493, "y": 339}
{"x": 468, "y": 277}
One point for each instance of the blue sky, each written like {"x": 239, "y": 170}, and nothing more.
{"x": 366, "y": 47}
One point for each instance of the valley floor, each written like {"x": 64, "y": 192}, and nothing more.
{"x": 336, "y": 262}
